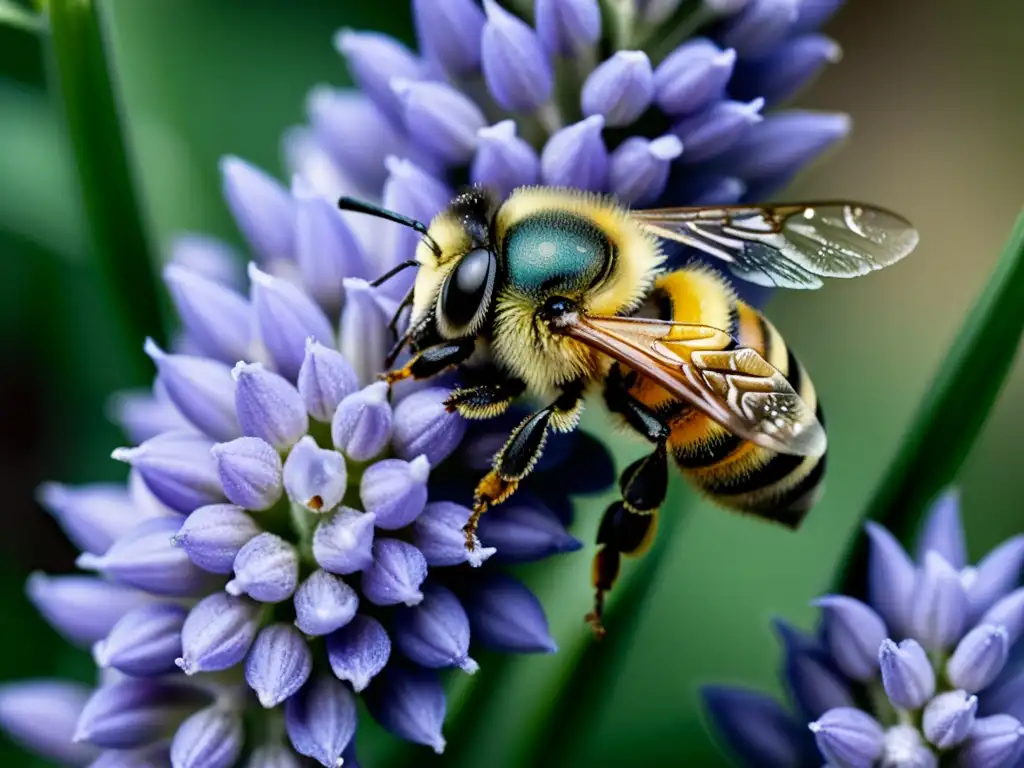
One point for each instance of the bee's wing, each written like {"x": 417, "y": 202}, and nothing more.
{"x": 733, "y": 385}
{"x": 791, "y": 245}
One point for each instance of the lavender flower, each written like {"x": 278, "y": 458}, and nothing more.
{"x": 932, "y": 652}
{"x": 288, "y": 491}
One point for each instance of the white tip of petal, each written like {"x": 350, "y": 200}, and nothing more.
{"x": 506, "y": 129}
{"x": 419, "y": 468}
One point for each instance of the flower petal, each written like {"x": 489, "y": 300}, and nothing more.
{"x": 359, "y": 651}
{"x": 278, "y": 664}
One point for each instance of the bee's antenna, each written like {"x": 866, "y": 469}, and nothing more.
{"x": 358, "y": 206}
{"x": 394, "y": 271}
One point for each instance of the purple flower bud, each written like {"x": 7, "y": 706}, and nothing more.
{"x": 813, "y": 682}
{"x": 208, "y": 257}
{"x": 262, "y": 209}
{"x": 395, "y": 491}
{"x": 446, "y": 120}
{"x": 996, "y": 574}
{"x": 943, "y": 532}
{"x": 993, "y": 741}
{"x": 848, "y": 737}
{"x": 145, "y": 414}
{"x": 93, "y": 516}
{"x": 754, "y": 726}
{"x": 854, "y": 634}
{"x": 363, "y": 337}
{"x": 359, "y": 651}
{"x": 361, "y": 427}
{"x": 784, "y": 72}
{"x": 435, "y": 633}
{"x": 315, "y": 477}
{"x": 423, "y": 426}
{"x": 711, "y": 190}
{"x": 396, "y": 574}
{"x": 275, "y": 756}
{"x": 156, "y": 755}
{"x": 978, "y": 658}
{"x": 145, "y": 642}
{"x": 620, "y": 89}
{"x": 266, "y": 569}
{"x": 41, "y": 715}
{"x": 891, "y": 578}
{"x": 1008, "y": 613}
{"x": 784, "y": 142}
{"x": 575, "y": 156}
{"x": 948, "y": 718}
{"x": 639, "y": 168}
{"x": 326, "y": 251}
{"x": 761, "y": 26}
{"x": 177, "y": 468}
{"x": 567, "y": 27}
{"x": 82, "y": 608}
{"x": 324, "y": 603}
{"x": 692, "y": 76}
{"x": 503, "y": 161}
{"x": 708, "y": 134}
{"x": 409, "y": 702}
{"x": 523, "y": 533}
{"x": 325, "y": 379}
{"x": 146, "y": 558}
{"x": 343, "y": 543}
{"x": 286, "y": 317}
{"x": 250, "y": 472}
{"x": 278, "y": 664}
{"x": 268, "y": 406}
{"x": 814, "y": 13}
{"x": 905, "y": 747}
{"x": 374, "y": 60}
{"x": 216, "y": 319}
{"x": 353, "y": 132}
{"x": 516, "y": 68}
{"x": 437, "y": 533}
{"x": 939, "y": 612}
{"x": 449, "y": 32}
{"x": 506, "y": 616}
{"x": 414, "y": 191}
{"x": 211, "y": 738}
{"x": 213, "y": 535}
{"x": 131, "y": 713}
{"x": 321, "y": 720}
{"x": 907, "y": 674}
{"x": 217, "y": 633}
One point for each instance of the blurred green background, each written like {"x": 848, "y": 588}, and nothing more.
{"x": 936, "y": 137}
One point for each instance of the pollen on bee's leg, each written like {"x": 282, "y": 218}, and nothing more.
{"x": 399, "y": 374}
{"x": 491, "y": 490}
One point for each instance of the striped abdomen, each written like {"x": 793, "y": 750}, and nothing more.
{"x": 734, "y": 472}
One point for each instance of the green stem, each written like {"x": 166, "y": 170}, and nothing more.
{"x": 82, "y": 77}
{"x": 955, "y": 408}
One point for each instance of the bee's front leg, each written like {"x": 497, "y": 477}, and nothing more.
{"x": 522, "y": 451}
{"x": 433, "y": 360}
{"x": 487, "y": 399}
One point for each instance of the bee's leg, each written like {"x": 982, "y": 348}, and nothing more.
{"x": 628, "y": 526}
{"x": 522, "y": 451}
{"x": 486, "y": 400}
{"x": 432, "y": 360}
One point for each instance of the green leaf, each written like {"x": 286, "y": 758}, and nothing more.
{"x": 16, "y": 16}
{"x": 81, "y": 72}
{"x": 955, "y": 408}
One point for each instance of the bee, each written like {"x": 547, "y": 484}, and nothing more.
{"x": 564, "y": 293}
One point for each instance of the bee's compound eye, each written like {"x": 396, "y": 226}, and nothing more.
{"x": 467, "y": 290}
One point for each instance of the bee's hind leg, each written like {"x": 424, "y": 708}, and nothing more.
{"x": 521, "y": 452}
{"x": 629, "y": 525}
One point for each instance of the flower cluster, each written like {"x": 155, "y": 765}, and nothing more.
{"x": 928, "y": 672}
{"x": 674, "y": 114}
{"x": 290, "y": 535}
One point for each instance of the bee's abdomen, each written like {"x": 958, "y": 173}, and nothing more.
{"x": 733, "y": 472}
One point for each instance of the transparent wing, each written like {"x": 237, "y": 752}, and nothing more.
{"x": 792, "y": 245}
{"x": 733, "y": 385}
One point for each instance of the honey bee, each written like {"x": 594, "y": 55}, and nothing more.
{"x": 553, "y": 293}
